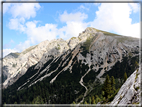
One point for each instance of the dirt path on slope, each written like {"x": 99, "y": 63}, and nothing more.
{"x": 81, "y": 82}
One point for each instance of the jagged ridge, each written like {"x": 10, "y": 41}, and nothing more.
{"x": 91, "y": 52}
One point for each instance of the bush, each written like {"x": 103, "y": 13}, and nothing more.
{"x": 14, "y": 65}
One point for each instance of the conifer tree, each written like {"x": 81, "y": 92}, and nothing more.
{"x": 97, "y": 99}
{"x": 107, "y": 87}
{"x": 85, "y": 102}
{"x": 136, "y": 64}
{"x": 125, "y": 76}
{"x": 89, "y": 100}
{"x": 112, "y": 84}
{"x": 38, "y": 100}
{"x": 74, "y": 102}
{"x": 104, "y": 98}
{"x": 103, "y": 93}
{"x": 15, "y": 102}
{"x": 93, "y": 100}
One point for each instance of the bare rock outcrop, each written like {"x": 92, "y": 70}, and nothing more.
{"x": 129, "y": 92}
{"x": 104, "y": 50}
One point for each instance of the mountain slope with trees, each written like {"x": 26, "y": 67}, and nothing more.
{"x": 90, "y": 71}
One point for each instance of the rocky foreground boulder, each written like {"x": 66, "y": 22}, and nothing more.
{"x": 129, "y": 92}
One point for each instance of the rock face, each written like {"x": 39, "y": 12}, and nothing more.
{"x": 16, "y": 64}
{"x": 130, "y": 91}
{"x": 82, "y": 60}
{"x": 97, "y": 49}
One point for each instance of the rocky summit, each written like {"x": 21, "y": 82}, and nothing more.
{"x": 74, "y": 70}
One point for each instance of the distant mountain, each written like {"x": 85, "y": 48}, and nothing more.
{"x": 63, "y": 72}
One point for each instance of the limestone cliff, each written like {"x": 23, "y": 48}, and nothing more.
{"x": 130, "y": 91}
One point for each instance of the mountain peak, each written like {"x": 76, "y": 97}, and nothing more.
{"x": 13, "y": 54}
{"x": 78, "y": 65}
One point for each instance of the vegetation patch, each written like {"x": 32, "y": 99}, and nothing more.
{"x": 86, "y": 45}
{"x": 29, "y": 49}
{"x": 122, "y": 39}
{"x": 15, "y": 55}
{"x": 14, "y": 65}
{"x": 119, "y": 69}
{"x": 79, "y": 38}
{"x": 106, "y": 33}
{"x": 58, "y": 47}
{"x": 136, "y": 75}
{"x": 73, "y": 38}
{"x": 137, "y": 88}
{"x": 91, "y": 76}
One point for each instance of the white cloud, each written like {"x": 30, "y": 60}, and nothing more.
{"x": 135, "y": 7}
{"x": 6, "y": 6}
{"x": 74, "y": 24}
{"x": 20, "y": 12}
{"x": 83, "y": 7}
{"x": 22, "y": 46}
{"x": 72, "y": 29}
{"x": 7, "y": 45}
{"x": 78, "y": 16}
{"x": 116, "y": 17}
{"x": 109, "y": 17}
{"x": 25, "y": 10}
{"x": 36, "y": 34}
{"x": 17, "y": 24}
{"x": 40, "y": 33}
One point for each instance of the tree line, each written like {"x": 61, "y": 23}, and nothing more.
{"x": 108, "y": 91}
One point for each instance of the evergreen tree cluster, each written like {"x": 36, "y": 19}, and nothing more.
{"x": 43, "y": 93}
{"x": 109, "y": 86}
{"x": 108, "y": 93}
{"x": 128, "y": 65}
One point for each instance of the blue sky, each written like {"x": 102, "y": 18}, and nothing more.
{"x": 27, "y": 24}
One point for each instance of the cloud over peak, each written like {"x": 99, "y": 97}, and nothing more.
{"x": 116, "y": 17}
{"x": 78, "y": 16}
{"x": 109, "y": 17}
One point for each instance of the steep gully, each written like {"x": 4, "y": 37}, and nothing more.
{"x": 81, "y": 82}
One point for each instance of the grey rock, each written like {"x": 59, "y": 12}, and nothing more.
{"x": 129, "y": 92}
{"x": 104, "y": 52}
